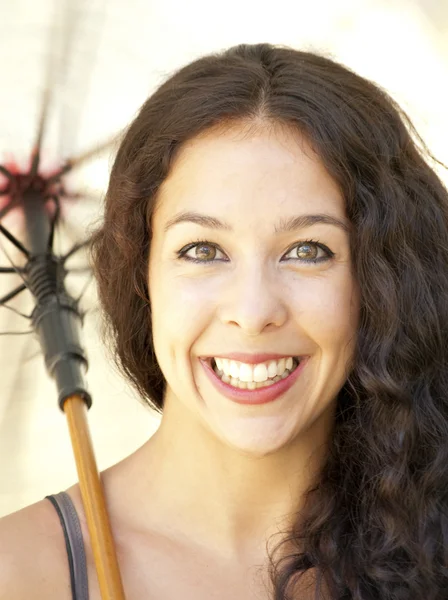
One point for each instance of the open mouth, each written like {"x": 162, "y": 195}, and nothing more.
{"x": 254, "y": 392}
{"x": 252, "y": 385}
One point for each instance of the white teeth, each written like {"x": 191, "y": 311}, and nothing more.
{"x": 260, "y": 373}
{"x": 272, "y": 368}
{"x": 234, "y": 370}
{"x": 281, "y": 367}
{"x": 251, "y": 385}
{"x": 269, "y": 371}
{"x": 246, "y": 373}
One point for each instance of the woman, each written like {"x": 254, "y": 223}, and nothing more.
{"x": 273, "y": 266}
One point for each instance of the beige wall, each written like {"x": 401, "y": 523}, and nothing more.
{"x": 401, "y": 45}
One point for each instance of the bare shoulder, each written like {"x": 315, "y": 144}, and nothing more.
{"x": 33, "y": 557}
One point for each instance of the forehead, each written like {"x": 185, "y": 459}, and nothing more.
{"x": 243, "y": 169}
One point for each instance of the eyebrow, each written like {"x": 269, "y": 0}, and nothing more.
{"x": 285, "y": 225}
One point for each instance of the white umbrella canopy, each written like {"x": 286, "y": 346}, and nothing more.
{"x": 100, "y": 60}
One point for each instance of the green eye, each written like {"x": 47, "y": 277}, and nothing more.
{"x": 307, "y": 252}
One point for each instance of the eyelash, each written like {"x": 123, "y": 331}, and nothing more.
{"x": 181, "y": 253}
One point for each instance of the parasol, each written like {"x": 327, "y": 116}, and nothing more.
{"x": 56, "y": 319}
{"x": 40, "y": 236}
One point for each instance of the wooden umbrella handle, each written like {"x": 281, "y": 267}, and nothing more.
{"x": 98, "y": 523}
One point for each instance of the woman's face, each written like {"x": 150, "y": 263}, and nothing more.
{"x": 259, "y": 287}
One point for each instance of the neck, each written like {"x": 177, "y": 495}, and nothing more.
{"x": 196, "y": 488}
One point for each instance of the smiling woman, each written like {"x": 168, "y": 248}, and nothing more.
{"x": 273, "y": 269}
{"x": 257, "y": 285}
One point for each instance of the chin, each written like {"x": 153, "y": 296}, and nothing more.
{"x": 254, "y": 442}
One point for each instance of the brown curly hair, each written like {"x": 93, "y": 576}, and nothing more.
{"x": 376, "y": 524}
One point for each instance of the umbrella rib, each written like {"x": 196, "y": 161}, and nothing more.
{"x": 14, "y": 241}
{"x": 77, "y": 161}
{"x": 40, "y": 132}
{"x": 17, "y": 269}
{"x": 85, "y": 288}
{"x": 75, "y": 248}
{"x": 80, "y": 270}
{"x": 12, "y": 294}
{"x": 10, "y": 205}
{"x": 33, "y": 356}
{"x": 8, "y": 270}
{"x": 85, "y": 197}
{"x": 5, "y": 172}
{"x": 50, "y": 80}
{"x": 17, "y": 332}
{"x": 53, "y": 223}
{"x": 14, "y": 310}
{"x": 77, "y": 29}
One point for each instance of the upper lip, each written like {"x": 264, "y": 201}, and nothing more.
{"x": 251, "y": 359}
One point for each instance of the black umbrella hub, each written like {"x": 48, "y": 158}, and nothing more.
{"x": 56, "y": 317}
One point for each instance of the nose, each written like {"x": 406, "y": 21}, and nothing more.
{"x": 254, "y": 301}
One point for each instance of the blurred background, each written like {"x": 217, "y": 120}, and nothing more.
{"x": 101, "y": 59}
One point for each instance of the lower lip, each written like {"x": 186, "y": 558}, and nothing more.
{"x": 259, "y": 396}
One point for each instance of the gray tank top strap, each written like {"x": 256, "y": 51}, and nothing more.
{"x": 74, "y": 544}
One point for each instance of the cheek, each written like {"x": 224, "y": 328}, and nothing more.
{"x": 181, "y": 304}
{"x": 328, "y": 311}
